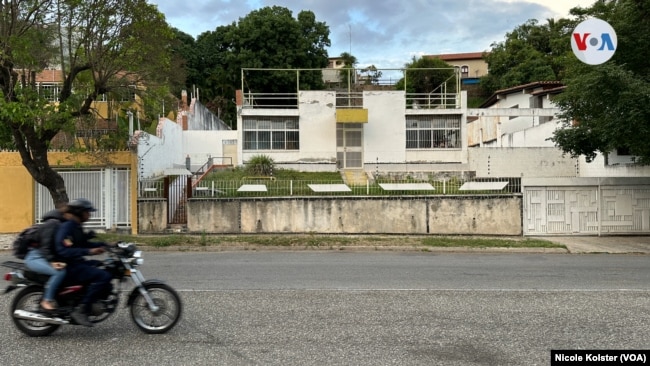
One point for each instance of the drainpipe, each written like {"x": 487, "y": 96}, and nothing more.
{"x": 130, "y": 114}
{"x": 599, "y": 210}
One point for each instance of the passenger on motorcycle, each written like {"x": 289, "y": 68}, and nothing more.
{"x": 72, "y": 244}
{"x": 42, "y": 259}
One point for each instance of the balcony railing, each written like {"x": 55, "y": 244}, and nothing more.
{"x": 271, "y": 100}
{"x": 432, "y": 101}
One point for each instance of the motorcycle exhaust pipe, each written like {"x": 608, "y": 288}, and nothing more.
{"x": 27, "y": 315}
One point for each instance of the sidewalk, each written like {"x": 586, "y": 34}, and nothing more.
{"x": 602, "y": 244}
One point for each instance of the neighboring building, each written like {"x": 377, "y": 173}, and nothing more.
{"x": 332, "y": 74}
{"x": 472, "y": 66}
{"x": 608, "y": 195}
{"x": 524, "y": 117}
{"x": 49, "y": 82}
{"x": 335, "y": 63}
{"x": 505, "y": 117}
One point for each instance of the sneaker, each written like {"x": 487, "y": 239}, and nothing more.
{"x": 80, "y": 317}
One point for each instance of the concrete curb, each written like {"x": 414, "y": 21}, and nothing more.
{"x": 636, "y": 245}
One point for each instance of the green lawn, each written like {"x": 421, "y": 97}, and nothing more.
{"x": 238, "y": 174}
{"x": 322, "y": 241}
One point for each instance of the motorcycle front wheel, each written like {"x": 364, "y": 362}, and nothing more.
{"x": 162, "y": 319}
{"x": 29, "y": 300}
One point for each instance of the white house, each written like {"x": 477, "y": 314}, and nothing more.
{"x": 608, "y": 195}
{"x": 524, "y": 117}
{"x": 393, "y": 131}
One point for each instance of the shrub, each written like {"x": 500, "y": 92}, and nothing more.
{"x": 260, "y": 165}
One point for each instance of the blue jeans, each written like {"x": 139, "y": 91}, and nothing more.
{"x": 37, "y": 263}
{"x": 97, "y": 280}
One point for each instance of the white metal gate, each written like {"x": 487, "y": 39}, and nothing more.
{"x": 109, "y": 189}
{"x": 586, "y": 210}
{"x": 349, "y": 145}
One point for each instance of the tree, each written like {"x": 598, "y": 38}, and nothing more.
{"x": 102, "y": 46}
{"x": 426, "y": 75}
{"x": 371, "y": 74}
{"x": 607, "y": 107}
{"x": 265, "y": 38}
{"x": 530, "y": 53}
{"x": 184, "y": 61}
{"x": 348, "y": 71}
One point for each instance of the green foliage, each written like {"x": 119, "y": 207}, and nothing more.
{"x": 371, "y": 74}
{"x": 237, "y": 174}
{"x": 326, "y": 241}
{"x": 470, "y": 242}
{"x": 607, "y": 107}
{"x": 347, "y": 72}
{"x": 102, "y": 46}
{"x": 184, "y": 60}
{"x": 530, "y": 53}
{"x": 604, "y": 107}
{"x": 260, "y": 165}
{"x": 269, "y": 37}
{"x": 115, "y": 140}
{"x": 166, "y": 241}
{"x": 426, "y": 75}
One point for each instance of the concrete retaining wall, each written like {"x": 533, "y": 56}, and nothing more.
{"x": 450, "y": 215}
{"x": 152, "y": 216}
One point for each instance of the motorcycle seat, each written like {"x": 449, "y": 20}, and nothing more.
{"x": 35, "y": 276}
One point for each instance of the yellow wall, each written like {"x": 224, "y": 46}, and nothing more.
{"x": 16, "y": 198}
{"x": 17, "y": 186}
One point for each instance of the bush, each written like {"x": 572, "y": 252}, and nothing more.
{"x": 260, "y": 165}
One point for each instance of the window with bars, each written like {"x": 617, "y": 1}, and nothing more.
{"x": 125, "y": 94}
{"x": 49, "y": 91}
{"x": 433, "y": 132}
{"x": 271, "y": 133}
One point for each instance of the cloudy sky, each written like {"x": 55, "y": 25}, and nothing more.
{"x": 384, "y": 33}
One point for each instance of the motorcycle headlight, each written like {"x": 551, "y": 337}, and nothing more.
{"x": 139, "y": 261}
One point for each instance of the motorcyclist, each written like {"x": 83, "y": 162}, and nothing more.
{"x": 43, "y": 259}
{"x": 72, "y": 244}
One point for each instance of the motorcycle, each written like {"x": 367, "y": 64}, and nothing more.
{"x": 155, "y": 306}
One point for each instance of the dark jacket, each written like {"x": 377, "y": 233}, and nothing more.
{"x": 51, "y": 222}
{"x": 72, "y": 243}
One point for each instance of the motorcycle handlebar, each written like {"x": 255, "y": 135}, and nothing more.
{"x": 121, "y": 248}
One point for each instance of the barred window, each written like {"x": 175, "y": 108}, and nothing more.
{"x": 125, "y": 94}
{"x": 271, "y": 133}
{"x": 49, "y": 91}
{"x": 433, "y": 132}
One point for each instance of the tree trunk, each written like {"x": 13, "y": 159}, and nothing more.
{"x": 35, "y": 160}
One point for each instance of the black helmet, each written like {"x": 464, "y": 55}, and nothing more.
{"x": 81, "y": 204}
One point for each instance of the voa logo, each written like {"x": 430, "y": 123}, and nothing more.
{"x": 594, "y": 41}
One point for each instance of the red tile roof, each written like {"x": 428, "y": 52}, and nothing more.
{"x": 552, "y": 87}
{"x": 458, "y": 56}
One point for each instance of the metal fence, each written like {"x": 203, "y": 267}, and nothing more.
{"x": 379, "y": 187}
{"x": 108, "y": 189}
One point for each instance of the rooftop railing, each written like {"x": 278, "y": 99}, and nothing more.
{"x": 349, "y": 84}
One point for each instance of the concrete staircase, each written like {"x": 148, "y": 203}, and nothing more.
{"x": 354, "y": 177}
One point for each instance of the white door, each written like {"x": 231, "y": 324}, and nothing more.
{"x": 349, "y": 145}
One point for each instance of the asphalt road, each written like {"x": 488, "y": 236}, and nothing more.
{"x": 372, "y": 308}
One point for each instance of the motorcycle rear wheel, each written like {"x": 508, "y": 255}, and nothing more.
{"x": 168, "y": 313}
{"x": 29, "y": 300}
